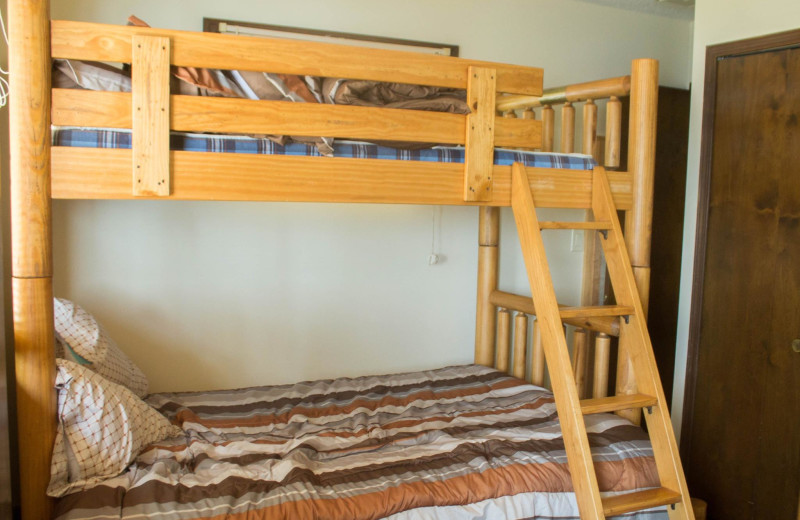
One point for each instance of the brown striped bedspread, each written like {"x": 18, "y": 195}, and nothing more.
{"x": 455, "y": 443}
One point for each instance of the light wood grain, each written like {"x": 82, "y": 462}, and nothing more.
{"x": 90, "y": 41}
{"x": 517, "y": 302}
{"x": 599, "y": 89}
{"x": 595, "y": 311}
{"x": 617, "y": 402}
{"x": 85, "y": 173}
{"x": 659, "y": 426}
{"x": 578, "y": 224}
{"x": 486, "y": 317}
{"x": 29, "y": 140}
{"x": 548, "y": 128}
{"x": 573, "y": 429}
{"x": 72, "y": 107}
{"x": 150, "y": 87}
{"x": 567, "y": 128}
{"x": 602, "y": 353}
{"x": 580, "y": 360}
{"x": 503, "y": 340}
{"x": 613, "y": 132}
{"x": 619, "y": 504}
{"x": 36, "y": 396}
{"x": 479, "y": 147}
{"x": 537, "y": 356}
{"x": 589, "y": 127}
{"x": 520, "y": 344}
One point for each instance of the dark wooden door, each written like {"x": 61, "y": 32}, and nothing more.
{"x": 743, "y": 446}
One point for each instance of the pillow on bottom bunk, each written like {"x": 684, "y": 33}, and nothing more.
{"x": 87, "y": 343}
{"x": 102, "y": 427}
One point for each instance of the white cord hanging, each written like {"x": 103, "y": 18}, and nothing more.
{"x": 3, "y": 73}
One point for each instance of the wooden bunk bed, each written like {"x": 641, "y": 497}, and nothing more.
{"x": 150, "y": 170}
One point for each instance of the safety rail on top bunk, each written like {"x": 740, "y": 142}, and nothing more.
{"x": 151, "y": 170}
{"x": 506, "y": 343}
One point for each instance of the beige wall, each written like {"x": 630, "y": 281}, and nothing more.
{"x": 207, "y": 295}
{"x": 716, "y": 21}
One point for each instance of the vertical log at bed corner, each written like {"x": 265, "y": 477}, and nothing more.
{"x": 31, "y": 248}
{"x": 486, "y": 317}
{"x": 638, "y": 221}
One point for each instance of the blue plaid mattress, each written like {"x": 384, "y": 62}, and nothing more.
{"x": 105, "y": 138}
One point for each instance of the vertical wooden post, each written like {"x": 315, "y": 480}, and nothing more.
{"x": 503, "y": 340}
{"x": 528, "y": 113}
{"x": 589, "y": 126}
{"x": 567, "y": 128}
{"x": 579, "y": 360}
{"x": 548, "y": 128}
{"x": 479, "y": 142}
{"x": 31, "y": 249}
{"x": 520, "y": 344}
{"x": 602, "y": 350}
{"x": 537, "y": 356}
{"x": 638, "y": 221}
{"x": 613, "y": 132}
{"x": 486, "y": 317}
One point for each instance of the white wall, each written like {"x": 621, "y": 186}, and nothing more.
{"x": 208, "y": 295}
{"x": 716, "y": 21}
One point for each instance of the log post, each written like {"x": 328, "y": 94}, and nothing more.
{"x": 31, "y": 248}
{"x": 567, "y": 128}
{"x": 520, "y": 344}
{"x": 602, "y": 351}
{"x": 548, "y": 128}
{"x": 638, "y": 221}
{"x": 613, "y": 132}
{"x": 503, "y": 340}
{"x": 486, "y": 317}
{"x": 589, "y": 126}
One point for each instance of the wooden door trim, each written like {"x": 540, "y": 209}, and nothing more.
{"x": 770, "y": 42}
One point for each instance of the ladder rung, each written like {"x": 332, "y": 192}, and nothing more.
{"x": 582, "y": 224}
{"x": 619, "y": 504}
{"x": 616, "y": 402}
{"x": 595, "y": 311}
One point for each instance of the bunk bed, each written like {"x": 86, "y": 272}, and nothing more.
{"x": 146, "y": 167}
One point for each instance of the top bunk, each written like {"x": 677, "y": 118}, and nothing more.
{"x": 147, "y": 166}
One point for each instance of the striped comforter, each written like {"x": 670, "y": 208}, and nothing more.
{"x": 456, "y": 443}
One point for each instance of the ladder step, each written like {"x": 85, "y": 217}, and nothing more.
{"x": 595, "y": 311}
{"x": 616, "y": 402}
{"x": 619, "y": 504}
{"x": 575, "y": 225}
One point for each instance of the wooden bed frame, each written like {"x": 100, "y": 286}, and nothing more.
{"x": 41, "y": 172}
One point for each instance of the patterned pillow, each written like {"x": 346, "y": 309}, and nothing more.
{"x": 102, "y": 427}
{"x": 87, "y": 343}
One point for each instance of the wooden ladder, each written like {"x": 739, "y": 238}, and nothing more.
{"x": 672, "y": 491}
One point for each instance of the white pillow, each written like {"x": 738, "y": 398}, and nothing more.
{"x": 88, "y": 344}
{"x": 102, "y": 427}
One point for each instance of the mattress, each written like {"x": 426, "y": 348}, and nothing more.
{"x": 105, "y": 138}
{"x": 460, "y": 443}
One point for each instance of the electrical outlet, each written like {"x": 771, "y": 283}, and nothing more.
{"x": 576, "y": 241}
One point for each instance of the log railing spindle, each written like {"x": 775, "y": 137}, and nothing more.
{"x": 613, "y": 132}
{"x": 602, "y": 350}
{"x": 589, "y": 126}
{"x": 520, "y": 344}
{"x": 548, "y": 128}
{"x": 503, "y": 339}
{"x": 537, "y": 356}
{"x": 579, "y": 359}
{"x": 567, "y": 128}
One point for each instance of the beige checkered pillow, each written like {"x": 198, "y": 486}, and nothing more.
{"x": 102, "y": 427}
{"x": 89, "y": 344}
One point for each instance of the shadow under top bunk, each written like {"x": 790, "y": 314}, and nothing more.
{"x": 151, "y": 168}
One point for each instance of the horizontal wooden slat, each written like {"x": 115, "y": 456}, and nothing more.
{"x": 619, "y": 504}
{"x": 574, "y": 225}
{"x": 595, "y": 311}
{"x": 606, "y": 324}
{"x": 71, "y": 107}
{"x": 616, "y": 402}
{"x": 599, "y": 89}
{"x": 90, "y": 41}
{"x": 89, "y": 173}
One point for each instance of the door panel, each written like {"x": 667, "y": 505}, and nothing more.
{"x": 744, "y": 446}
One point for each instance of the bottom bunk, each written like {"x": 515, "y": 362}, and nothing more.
{"x": 462, "y": 442}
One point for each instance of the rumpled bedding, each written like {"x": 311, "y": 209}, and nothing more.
{"x": 461, "y": 443}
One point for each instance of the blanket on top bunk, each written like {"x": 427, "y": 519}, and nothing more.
{"x": 454, "y": 443}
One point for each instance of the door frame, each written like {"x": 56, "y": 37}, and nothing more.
{"x": 714, "y": 53}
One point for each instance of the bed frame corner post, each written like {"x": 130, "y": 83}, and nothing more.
{"x": 31, "y": 248}
{"x": 639, "y": 220}
{"x": 486, "y": 317}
